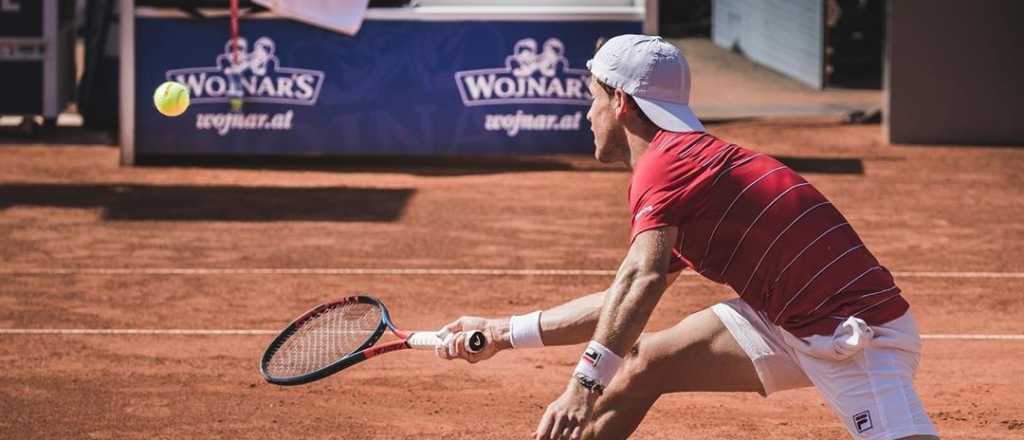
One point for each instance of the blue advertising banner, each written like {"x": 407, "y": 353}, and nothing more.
{"x": 398, "y": 87}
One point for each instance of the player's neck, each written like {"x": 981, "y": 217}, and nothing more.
{"x": 639, "y": 141}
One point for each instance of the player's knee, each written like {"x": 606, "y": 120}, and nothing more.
{"x": 650, "y": 369}
{"x": 640, "y": 371}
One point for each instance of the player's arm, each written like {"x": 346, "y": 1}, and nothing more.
{"x": 569, "y": 323}
{"x": 638, "y": 287}
{"x": 575, "y": 321}
{"x": 628, "y": 304}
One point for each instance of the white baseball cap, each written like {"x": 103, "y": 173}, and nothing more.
{"x": 654, "y": 73}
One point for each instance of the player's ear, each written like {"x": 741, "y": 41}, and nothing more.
{"x": 620, "y": 103}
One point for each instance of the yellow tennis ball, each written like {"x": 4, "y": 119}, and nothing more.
{"x": 171, "y": 98}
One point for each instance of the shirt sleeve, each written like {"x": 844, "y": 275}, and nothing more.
{"x": 656, "y": 202}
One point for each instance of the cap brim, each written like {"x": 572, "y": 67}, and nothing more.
{"x": 670, "y": 116}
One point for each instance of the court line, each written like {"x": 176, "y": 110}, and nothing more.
{"x": 411, "y": 271}
{"x": 974, "y": 337}
{"x": 255, "y": 332}
{"x": 133, "y": 332}
{"x": 303, "y": 271}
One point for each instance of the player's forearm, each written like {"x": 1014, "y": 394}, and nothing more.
{"x": 572, "y": 322}
{"x": 627, "y": 307}
{"x": 638, "y": 287}
{"x": 576, "y": 321}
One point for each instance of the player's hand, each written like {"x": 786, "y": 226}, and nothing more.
{"x": 567, "y": 417}
{"x": 454, "y": 336}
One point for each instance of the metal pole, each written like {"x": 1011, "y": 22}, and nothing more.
{"x": 651, "y": 17}
{"x": 127, "y": 81}
{"x": 50, "y": 49}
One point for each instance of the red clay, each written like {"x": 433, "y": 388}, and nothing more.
{"x": 917, "y": 208}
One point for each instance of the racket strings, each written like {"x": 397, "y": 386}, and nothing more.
{"x": 324, "y": 338}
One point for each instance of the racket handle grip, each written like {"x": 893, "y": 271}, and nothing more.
{"x": 475, "y": 341}
{"x": 424, "y": 340}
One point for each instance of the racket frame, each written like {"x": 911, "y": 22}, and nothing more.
{"x": 365, "y": 351}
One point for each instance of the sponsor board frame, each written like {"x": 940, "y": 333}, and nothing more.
{"x": 520, "y": 122}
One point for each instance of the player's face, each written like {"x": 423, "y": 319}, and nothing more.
{"x": 609, "y": 135}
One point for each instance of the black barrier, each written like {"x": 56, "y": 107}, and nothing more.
{"x": 21, "y": 19}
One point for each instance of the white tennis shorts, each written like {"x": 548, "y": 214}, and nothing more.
{"x": 866, "y": 373}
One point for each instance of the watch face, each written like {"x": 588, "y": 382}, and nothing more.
{"x": 590, "y": 384}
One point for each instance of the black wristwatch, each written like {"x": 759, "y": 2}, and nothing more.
{"x": 590, "y": 384}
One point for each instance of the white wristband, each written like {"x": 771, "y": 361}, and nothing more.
{"x": 524, "y": 331}
{"x": 599, "y": 363}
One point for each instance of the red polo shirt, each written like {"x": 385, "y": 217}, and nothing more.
{"x": 748, "y": 221}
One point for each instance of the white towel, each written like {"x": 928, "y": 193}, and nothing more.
{"x": 344, "y": 16}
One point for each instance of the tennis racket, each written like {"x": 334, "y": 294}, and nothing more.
{"x": 336, "y": 335}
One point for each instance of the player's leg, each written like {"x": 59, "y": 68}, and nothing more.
{"x": 872, "y": 389}
{"x": 698, "y": 354}
{"x": 874, "y": 396}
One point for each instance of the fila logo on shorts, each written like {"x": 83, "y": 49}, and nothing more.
{"x": 862, "y": 421}
{"x": 592, "y": 356}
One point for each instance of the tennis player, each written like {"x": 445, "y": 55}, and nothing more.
{"x": 815, "y": 307}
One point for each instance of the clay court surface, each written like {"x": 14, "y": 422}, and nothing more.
{"x": 69, "y": 215}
